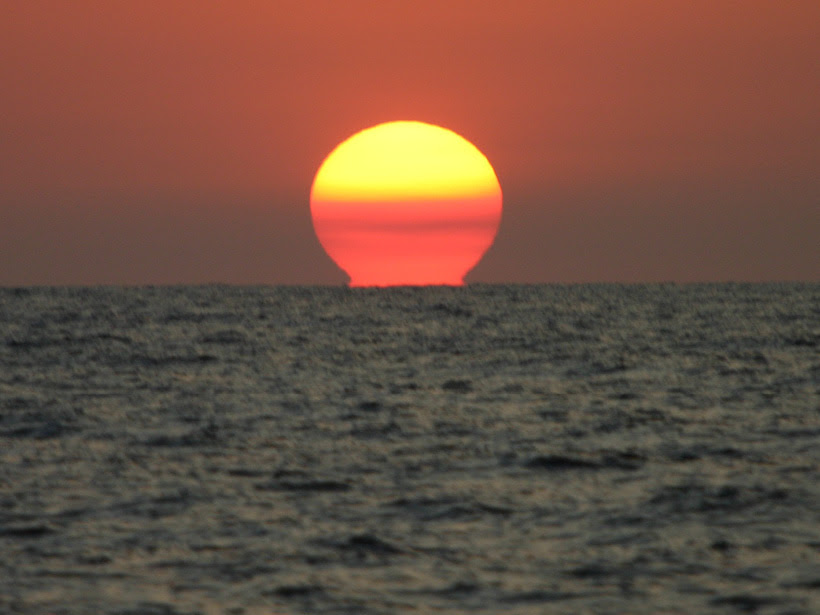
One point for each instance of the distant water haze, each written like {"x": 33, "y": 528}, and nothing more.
{"x": 482, "y": 449}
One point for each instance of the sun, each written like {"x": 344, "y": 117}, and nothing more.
{"x": 406, "y": 203}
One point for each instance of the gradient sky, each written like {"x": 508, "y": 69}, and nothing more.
{"x": 163, "y": 141}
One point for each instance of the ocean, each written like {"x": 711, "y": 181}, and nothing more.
{"x": 479, "y": 449}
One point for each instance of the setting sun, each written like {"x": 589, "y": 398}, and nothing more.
{"x": 406, "y": 203}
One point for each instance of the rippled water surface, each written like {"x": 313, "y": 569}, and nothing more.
{"x": 485, "y": 449}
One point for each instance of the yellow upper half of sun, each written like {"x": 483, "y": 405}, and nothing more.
{"x": 404, "y": 160}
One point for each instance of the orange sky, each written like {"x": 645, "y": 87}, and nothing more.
{"x": 167, "y": 141}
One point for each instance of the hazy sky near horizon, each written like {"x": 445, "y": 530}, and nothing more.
{"x": 170, "y": 141}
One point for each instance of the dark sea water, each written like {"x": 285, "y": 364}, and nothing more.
{"x": 485, "y": 449}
